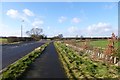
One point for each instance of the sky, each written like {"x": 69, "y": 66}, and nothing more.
{"x": 93, "y": 19}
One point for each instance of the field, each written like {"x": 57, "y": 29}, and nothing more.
{"x": 3, "y": 40}
{"x": 99, "y": 43}
{"x": 94, "y": 43}
{"x": 102, "y": 43}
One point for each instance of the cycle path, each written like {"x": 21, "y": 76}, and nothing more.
{"x": 47, "y": 65}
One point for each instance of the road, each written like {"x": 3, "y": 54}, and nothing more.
{"x": 47, "y": 65}
{"x": 13, "y": 52}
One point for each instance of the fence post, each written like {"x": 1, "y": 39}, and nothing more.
{"x": 115, "y": 60}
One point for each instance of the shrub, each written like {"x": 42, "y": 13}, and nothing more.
{"x": 12, "y": 39}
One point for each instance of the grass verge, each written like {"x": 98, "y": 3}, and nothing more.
{"x": 15, "y": 70}
{"x": 81, "y": 67}
{"x": 3, "y": 40}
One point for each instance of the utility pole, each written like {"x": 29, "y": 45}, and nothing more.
{"x": 22, "y": 28}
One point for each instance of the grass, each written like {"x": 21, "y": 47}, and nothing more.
{"x": 100, "y": 43}
{"x": 81, "y": 67}
{"x": 3, "y": 40}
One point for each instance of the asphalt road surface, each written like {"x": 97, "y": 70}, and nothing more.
{"x": 47, "y": 65}
{"x": 13, "y": 52}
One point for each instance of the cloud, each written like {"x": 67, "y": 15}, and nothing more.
{"x": 20, "y": 15}
{"x": 12, "y": 13}
{"x": 37, "y": 23}
{"x": 62, "y": 19}
{"x": 75, "y": 20}
{"x": 95, "y": 30}
{"x": 99, "y": 29}
{"x": 28, "y": 12}
{"x": 72, "y": 29}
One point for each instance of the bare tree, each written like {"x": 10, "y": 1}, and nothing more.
{"x": 60, "y": 35}
{"x": 35, "y": 33}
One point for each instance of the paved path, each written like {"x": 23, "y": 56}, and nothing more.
{"x": 47, "y": 65}
{"x": 13, "y": 52}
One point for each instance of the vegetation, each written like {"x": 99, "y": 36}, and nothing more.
{"x": 102, "y": 43}
{"x": 98, "y": 43}
{"x": 15, "y": 70}
{"x": 35, "y": 33}
{"x": 13, "y": 39}
{"x": 3, "y": 40}
{"x": 82, "y": 67}
{"x": 59, "y": 37}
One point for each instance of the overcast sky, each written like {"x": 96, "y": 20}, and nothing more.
{"x": 67, "y": 18}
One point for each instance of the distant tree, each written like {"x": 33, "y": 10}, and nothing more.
{"x": 60, "y": 35}
{"x": 35, "y": 33}
{"x": 44, "y": 36}
{"x": 81, "y": 37}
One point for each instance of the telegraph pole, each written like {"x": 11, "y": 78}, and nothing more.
{"x": 22, "y": 28}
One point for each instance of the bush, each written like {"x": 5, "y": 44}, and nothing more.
{"x": 12, "y": 39}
